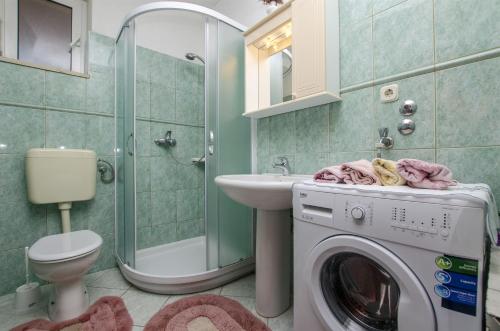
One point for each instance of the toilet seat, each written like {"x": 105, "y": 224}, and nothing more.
{"x": 64, "y": 246}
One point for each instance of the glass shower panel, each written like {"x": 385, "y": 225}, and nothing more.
{"x": 125, "y": 147}
{"x": 233, "y": 146}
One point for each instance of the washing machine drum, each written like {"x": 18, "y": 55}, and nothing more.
{"x": 357, "y": 284}
{"x": 358, "y": 288}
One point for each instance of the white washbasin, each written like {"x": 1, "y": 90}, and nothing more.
{"x": 266, "y": 192}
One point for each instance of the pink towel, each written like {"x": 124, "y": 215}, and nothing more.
{"x": 359, "y": 172}
{"x": 421, "y": 174}
{"x": 331, "y": 174}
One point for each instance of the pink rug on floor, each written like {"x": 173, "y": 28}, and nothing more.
{"x": 106, "y": 314}
{"x": 205, "y": 313}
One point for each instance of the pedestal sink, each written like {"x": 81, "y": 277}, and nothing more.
{"x": 271, "y": 195}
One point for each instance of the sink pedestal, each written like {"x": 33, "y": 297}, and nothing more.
{"x": 273, "y": 262}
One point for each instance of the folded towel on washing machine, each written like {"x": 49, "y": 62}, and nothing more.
{"x": 331, "y": 174}
{"x": 422, "y": 174}
{"x": 359, "y": 172}
{"x": 387, "y": 172}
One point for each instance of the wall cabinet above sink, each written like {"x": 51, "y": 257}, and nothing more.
{"x": 292, "y": 58}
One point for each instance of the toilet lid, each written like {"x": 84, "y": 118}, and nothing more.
{"x": 64, "y": 246}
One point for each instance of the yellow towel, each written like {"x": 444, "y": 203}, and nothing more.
{"x": 387, "y": 172}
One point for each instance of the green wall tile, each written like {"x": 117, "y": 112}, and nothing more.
{"x": 163, "y": 234}
{"x": 356, "y": 53}
{"x": 143, "y": 99}
{"x": 163, "y": 207}
{"x": 351, "y": 122}
{"x": 101, "y": 214}
{"x": 143, "y": 64}
{"x": 21, "y": 129}
{"x": 106, "y": 258}
{"x": 187, "y": 76}
{"x": 100, "y": 134}
{"x": 162, "y": 102}
{"x": 473, "y": 165}
{"x": 101, "y": 50}
{"x": 11, "y": 270}
{"x": 101, "y": 92}
{"x": 308, "y": 163}
{"x": 467, "y": 105}
{"x": 191, "y": 229}
{"x": 20, "y": 84}
{"x": 143, "y": 174}
{"x": 262, "y": 137}
{"x": 403, "y": 38}
{"x": 143, "y": 138}
{"x": 282, "y": 134}
{"x": 12, "y": 178}
{"x": 143, "y": 212}
{"x": 187, "y": 108}
{"x": 163, "y": 69}
{"x": 311, "y": 131}
{"x": 352, "y": 11}
{"x": 21, "y": 224}
{"x": 381, "y": 5}
{"x": 65, "y": 129}
{"x": 65, "y": 91}
{"x": 421, "y": 154}
{"x": 187, "y": 205}
{"x": 465, "y": 27}
{"x": 163, "y": 173}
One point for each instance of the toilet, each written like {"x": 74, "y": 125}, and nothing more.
{"x": 63, "y": 176}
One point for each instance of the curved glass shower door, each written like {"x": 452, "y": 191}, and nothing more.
{"x": 179, "y": 125}
{"x": 124, "y": 149}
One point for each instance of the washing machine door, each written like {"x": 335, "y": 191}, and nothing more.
{"x": 356, "y": 284}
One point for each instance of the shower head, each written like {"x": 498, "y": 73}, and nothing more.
{"x": 193, "y": 56}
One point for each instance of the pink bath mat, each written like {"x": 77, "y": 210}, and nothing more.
{"x": 106, "y": 314}
{"x": 205, "y": 313}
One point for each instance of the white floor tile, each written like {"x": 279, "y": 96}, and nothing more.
{"x": 111, "y": 278}
{"x": 248, "y": 303}
{"x": 98, "y": 292}
{"x": 283, "y": 322}
{"x": 244, "y": 287}
{"x": 142, "y": 306}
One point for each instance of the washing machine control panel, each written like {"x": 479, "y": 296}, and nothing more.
{"x": 427, "y": 224}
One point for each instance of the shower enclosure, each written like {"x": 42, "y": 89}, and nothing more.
{"x": 179, "y": 100}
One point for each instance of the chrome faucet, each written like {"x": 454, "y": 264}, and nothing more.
{"x": 167, "y": 141}
{"x": 385, "y": 141}
{"x": 283, "y": 164}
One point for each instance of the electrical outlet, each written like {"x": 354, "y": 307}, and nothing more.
{"x": 389, "y": 93}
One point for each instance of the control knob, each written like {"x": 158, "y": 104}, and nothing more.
{"x": 358, "y": 213}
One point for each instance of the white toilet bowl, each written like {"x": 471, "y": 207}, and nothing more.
{"x": 63, "y": 260}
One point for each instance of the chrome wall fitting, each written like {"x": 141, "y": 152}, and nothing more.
{"x": 106, "y": 171}
{"x": 385, "y": 141}
{"x": 408, "y": 108}
{"x": 406, "y": 126}
{"x": 166, "y": 141}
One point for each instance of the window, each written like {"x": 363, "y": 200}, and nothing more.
{"x": 44, "y": 32}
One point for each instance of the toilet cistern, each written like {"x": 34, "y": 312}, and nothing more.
{"x": 61, "y": 176}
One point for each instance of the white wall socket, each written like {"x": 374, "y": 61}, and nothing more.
{"x": 389, "y": 93}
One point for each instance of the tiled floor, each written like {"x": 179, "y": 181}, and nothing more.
{"x": 142, "y": 305}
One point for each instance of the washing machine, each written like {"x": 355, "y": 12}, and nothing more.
{"x": 382, "y": 258}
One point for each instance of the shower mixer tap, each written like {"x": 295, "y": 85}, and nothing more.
{"x": 385, "y": 141}
{"x": 166, "y": 141}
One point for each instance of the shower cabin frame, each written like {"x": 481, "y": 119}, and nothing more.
{"x": 215, "y": 275}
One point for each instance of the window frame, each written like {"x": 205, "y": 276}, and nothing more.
{"x": 9, "y": 31}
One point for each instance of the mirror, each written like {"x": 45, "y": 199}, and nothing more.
{"x": 280, "y": 76}
{"x": 30, "y": 38}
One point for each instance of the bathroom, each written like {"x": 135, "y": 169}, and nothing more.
{"x": 155, "y": 92}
